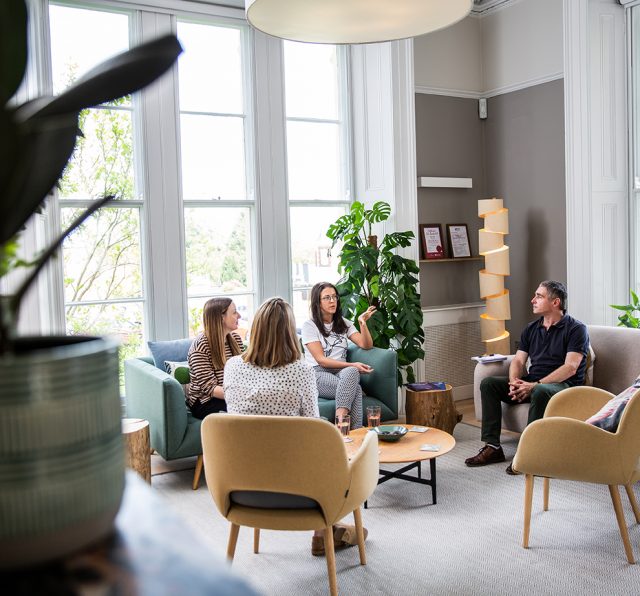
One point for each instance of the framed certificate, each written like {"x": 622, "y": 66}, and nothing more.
{"x": 458, "y": 240}
{"x": 432, "y": 244}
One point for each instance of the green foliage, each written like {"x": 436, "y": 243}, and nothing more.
{"x": 628, "y": 318}
{"x": 375, "y": 275}
{"x": 38, "y": 138}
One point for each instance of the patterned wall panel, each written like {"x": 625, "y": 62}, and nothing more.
{"x": 448, "y": 353}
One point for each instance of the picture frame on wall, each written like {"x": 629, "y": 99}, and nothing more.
{"x": 458, "y": 236}
{"x": 432, "y": 243}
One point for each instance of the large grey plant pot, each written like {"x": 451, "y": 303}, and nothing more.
{"x": 61, "y": 448}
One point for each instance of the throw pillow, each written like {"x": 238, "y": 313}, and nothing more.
{"x": 608, "y": 418}
{"x": 172, "y": 351}
{"x": 180, "y": 372}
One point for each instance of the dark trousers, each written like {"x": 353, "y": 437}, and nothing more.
{"x": 213, "y": 406}
{"x": 495, "y": 390}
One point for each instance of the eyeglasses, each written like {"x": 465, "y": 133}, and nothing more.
{"x": 332, "y": 298}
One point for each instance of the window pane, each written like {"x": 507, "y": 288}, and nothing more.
{"x": 122, "y": 320}
{"x": 212, "y": 157}
{"x": 102, "y": 162}
{"x": 311, "y": 80}
{"x": 218, "y": 251}
{"x": 210, "y": 69}
{"x": 314, "y": 161}
{"x": 243, "y": 302}
{"x": 312, "y": 261}
{"x": 81, "y": 39}
{"x": 301, "y": 306}
{"x": 102, "y": 257}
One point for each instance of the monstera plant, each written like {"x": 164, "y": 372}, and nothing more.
{"x": 61, "y": 459}
{"x": 374, "y": 274}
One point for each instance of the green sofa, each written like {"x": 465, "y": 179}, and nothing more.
{"x": 156, "y": 396}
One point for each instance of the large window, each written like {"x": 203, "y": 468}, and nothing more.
{"x": 102, "y": 267}
{"x": 635, "y": 147}
{"x": 317, "y": 164}
{"x": 200, "y": 167}
{"x": 218, "y": 210}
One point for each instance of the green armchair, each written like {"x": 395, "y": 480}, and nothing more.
{"x": 379, "y": 387}
{"x": 156, "y": 396}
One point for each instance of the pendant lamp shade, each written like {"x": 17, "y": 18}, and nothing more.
{"x": 353, "y": 21}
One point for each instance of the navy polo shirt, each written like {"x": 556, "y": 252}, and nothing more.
{"x": 547, "y": 348}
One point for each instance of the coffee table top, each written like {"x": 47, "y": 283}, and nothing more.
{"x": 407, "y": 449}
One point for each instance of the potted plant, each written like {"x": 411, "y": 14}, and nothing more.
{"x": 628, "y": 318}
{"x": 373, "y": 274}
{"x": 61, "y": 455}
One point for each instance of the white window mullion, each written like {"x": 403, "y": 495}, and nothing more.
{"x": 272, "y": 213}
{"x": 163, "y": 240}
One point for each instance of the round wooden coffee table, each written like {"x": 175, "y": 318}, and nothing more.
{"x": 407, "y": 450}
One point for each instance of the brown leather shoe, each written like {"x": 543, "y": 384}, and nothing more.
{"x": 487, "y": 455}
{"x": 343, "y": 536}
{"x": 511, "y": 471}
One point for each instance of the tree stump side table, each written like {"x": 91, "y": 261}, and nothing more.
{"x": 136, "y": 446}
{"x": 433, "y": 408}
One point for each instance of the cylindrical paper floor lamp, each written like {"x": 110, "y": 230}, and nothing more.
{"x": 496, "y": 268}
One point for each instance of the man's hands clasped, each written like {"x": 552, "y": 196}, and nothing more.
{"x": 520, "y": 390}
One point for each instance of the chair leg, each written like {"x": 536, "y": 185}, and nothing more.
{"x": 233, "y": 540}
{"x": 256, "y": 540}
{"x": 632, "y": 500}
{"x": 528, "y": 500}
{"x": 545, "y": 494}
{"x": 196, "y": 475}
{"x": 357, "y": 516}
{"x": 622, "y": 524}
{"x": 331, "y": 560}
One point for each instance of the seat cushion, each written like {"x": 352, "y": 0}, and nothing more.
{"x": 270, "y": 500}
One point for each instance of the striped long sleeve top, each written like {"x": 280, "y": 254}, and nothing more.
{"x": 205, "y": 378}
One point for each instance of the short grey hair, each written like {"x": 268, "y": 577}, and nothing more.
{"x": 556, "y": 289}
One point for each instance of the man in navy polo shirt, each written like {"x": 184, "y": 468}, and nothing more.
{"x": 557, "y": 345}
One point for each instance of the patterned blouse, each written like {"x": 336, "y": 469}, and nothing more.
{"x": 288, "y": 390}
{"x": 205, "y": 378}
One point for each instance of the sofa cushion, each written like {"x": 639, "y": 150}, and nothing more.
{"x": 608, "y": 417}
{"x": 173, "y": 351}
{"x": 588, "y": 371}
{"x": 180, "y": 372}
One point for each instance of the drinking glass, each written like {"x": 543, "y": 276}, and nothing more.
{"x": 344, "y": 425}
{"x": 373, "y": 416}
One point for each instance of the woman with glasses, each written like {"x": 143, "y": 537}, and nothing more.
{"x": 325, "y": 339}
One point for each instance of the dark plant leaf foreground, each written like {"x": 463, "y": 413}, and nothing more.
{"x": 38, "y": 138}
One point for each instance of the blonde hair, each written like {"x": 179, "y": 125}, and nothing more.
{"x": 274, "y": 341}
{"x": 214, "y": 310}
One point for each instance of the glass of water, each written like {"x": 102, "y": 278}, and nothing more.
{"x": 344, "y": 425}
{"x": 373, "y": 416}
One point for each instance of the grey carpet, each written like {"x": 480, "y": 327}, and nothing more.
{"x": 469, "y": 543}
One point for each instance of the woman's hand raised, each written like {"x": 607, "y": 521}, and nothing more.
{"x": 367, "y": 314}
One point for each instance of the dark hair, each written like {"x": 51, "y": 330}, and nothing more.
{"x": 556, "y": 289}
{"x": 212, "y": 313}
{"x": 339, "y": 326}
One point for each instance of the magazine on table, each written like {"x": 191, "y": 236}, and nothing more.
{"x": 427, "y": 386}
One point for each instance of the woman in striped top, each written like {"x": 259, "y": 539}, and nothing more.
{"x": 208, "y": 355}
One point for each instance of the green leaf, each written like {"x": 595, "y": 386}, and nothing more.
{"x": 13, "y": 47}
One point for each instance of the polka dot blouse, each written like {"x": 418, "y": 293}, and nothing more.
{"x": 288, "y": 390}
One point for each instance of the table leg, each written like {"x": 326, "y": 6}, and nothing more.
{"x": 432, "y": 466}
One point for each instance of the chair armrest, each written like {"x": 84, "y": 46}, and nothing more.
{"x": 364, "y": 474}
{"x": 154, "y": 395}
{"x": 577, "y": 402}
{"x": 482, "y": 371}
{"x": 570, "y": 449}
{"x": 382, "y": 383}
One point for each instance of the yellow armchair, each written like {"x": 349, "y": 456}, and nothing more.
{"x": 287, "y": 473}
{"x": 562, "y": 445}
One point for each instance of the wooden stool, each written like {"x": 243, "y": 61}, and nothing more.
{"x": 137, "y": 448}
{"x": 432, "y": 408}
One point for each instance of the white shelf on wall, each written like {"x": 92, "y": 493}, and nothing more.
{"x": 435, "y": 182}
